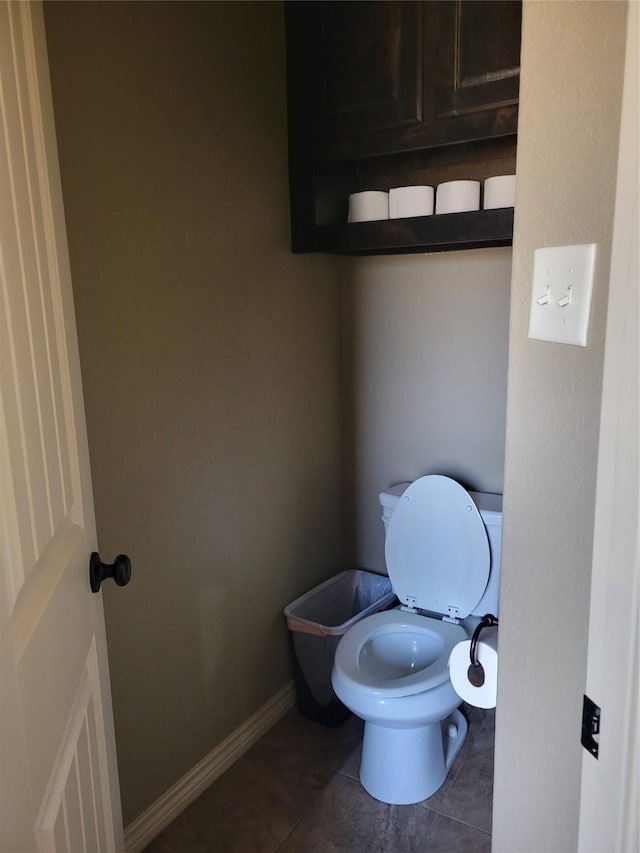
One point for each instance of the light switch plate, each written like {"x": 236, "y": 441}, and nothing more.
{"x": 561, "y": 293}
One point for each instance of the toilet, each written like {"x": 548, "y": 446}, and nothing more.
{"x": 442, "y": 551}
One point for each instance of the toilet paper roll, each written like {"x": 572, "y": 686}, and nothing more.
{"x": 487, "y": 655}
{"x": 368, "y": 206}
{"x": 458, "y": 196}
{"x": 410, "y": 201}
{"x": 499, "y": 191}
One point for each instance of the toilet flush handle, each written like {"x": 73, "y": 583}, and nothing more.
{"x": 475, "y": 673}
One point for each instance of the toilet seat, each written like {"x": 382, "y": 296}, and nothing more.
{"x": 436, "y": 548}
{"x": 366, "y": 660}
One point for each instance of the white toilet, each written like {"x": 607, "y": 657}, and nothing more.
{"x": 442, "y": 552}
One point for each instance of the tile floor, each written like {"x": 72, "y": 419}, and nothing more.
{"x": 297, "y": 791}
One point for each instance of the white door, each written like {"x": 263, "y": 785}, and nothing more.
{"x": 58, "y": 774}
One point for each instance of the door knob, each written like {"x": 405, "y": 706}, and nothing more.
{"x": 119, "y": 570}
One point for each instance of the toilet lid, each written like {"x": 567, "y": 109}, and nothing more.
{"x": 436, "y": 549}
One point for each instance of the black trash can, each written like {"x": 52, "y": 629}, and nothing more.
{"x": 317, "y": 620}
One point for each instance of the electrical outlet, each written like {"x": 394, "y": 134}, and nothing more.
{"x": 561, "y": 293}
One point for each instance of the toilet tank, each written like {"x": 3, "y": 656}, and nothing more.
{"x": 490, "y": 509}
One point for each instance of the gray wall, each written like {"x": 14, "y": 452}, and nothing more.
{"x": 572, "y": 57}
{"x": 425, "y": 371}
{"x": 210, "y": 358}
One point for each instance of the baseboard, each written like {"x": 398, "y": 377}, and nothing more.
{"x": 154, "y": 819}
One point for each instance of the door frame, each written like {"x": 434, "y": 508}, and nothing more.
{"x": 610, "y": 790}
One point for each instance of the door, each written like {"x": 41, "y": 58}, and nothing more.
{"x": 58, "y": 774}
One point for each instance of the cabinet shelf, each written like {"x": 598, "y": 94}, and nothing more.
{"x": 420, "y": 234}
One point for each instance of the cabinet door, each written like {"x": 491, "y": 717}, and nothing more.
{"x": 478, "y": 69}
{"x": 370, "y": 62}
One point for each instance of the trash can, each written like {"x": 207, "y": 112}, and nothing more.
{"x": 317, "y": 620}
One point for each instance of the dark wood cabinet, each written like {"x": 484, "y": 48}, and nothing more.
{"x": 384, "y": 94}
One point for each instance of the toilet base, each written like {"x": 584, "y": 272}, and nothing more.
{"x": 405, "y": 766}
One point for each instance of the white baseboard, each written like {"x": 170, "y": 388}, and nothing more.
{"x": 167, "y": 807}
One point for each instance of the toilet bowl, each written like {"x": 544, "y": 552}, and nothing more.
{"x": 384, "y": 667}
{"x": 391, "y": 668}
{"x": 384, "y": 664}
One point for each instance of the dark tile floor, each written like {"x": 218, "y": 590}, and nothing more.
{"x": 297, "y": 791}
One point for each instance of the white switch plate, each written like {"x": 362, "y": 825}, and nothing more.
{"x": 561, "y": 293}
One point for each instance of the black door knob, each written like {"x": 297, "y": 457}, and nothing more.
{"x": 119, "y": 570}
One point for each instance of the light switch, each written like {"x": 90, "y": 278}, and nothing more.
{"x": 561, "y": 293}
